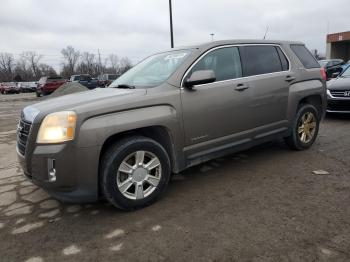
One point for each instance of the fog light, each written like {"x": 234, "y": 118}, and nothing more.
{"x": 51, "y": 168}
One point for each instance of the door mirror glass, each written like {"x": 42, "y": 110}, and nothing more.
{"x": 200, "y": 77}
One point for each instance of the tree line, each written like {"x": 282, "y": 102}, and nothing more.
{"x": 29, "y": 65}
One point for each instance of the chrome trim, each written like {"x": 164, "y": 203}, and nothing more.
{"x": 29, "y": 113}
{"x": 340, "y": 112}
{"x": 238, "y": 78}
{"x": 330, "y": 96}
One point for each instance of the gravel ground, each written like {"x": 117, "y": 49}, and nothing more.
{"x": 264, "y": 204}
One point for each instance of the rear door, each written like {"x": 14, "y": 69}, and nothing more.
{"x": 266, "y": 72}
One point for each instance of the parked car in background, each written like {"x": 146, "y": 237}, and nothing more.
{"x": 9, "y": 88}
{"x": 333, "y": 67}
{"x": 173, "y": 110}
{"x": 47, "y": 85}
{"x": 85, "y": 80}
{"x": 345, "y": 66}
{"x": 27, "y": 87}
{"x": 1, "y": 87}
{"x": 106, "y": 79}
{"x": 338, "y": 93}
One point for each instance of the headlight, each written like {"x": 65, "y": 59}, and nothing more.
{"x": 57, "y": 127}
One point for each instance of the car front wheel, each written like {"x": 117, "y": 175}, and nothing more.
{"x": 305, "y": 128}
{"x": 134, "y": 172}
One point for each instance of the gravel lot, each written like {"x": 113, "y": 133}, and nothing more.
{"x": 264, "y": 204}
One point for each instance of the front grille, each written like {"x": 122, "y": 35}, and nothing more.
{"x": 22, "y": 135}
{"x": 341, "y": 105}
{"x": 340, "y": 93}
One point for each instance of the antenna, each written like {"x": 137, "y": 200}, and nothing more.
{"x": 267, "y": 30}
{"x": 328, "y": 26}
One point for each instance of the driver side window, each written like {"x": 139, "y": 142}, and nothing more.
{"x": 225, "y": 62}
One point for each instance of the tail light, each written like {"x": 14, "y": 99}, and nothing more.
{"x": 323, "y": 74}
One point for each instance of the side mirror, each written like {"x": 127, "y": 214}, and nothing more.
{"x": 200, "y": 77}
{"x": 335, "y": 74}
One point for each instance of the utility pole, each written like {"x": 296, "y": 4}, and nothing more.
{"x": 267, "y": 30}
{"x": 99, "y": 61}
{"x": 212, "y": 37}
{"x": 171, "y": 25}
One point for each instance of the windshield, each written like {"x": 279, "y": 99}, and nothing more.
{"x": 323, "y": 63}
{"x": 346, "y": 73}
{"x": 152, "y": 71}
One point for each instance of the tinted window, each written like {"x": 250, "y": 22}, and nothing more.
{"x": 337, "y": 62}
{"x": 284, "y": 61}
{"x": 112, "y": 77}
{"x": 305, "y": 56}
{"x": 259, "y": 60}
{"x": 85, "y": 78}
{"x": 225, "y": 62}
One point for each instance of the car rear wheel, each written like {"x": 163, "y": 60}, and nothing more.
{"x": 134, "y": 172}
{"x": 305, "y": 128}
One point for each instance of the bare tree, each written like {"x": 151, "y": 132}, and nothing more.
{"x": 33, "y": 59}
{"x": 88, "y": 64}
{"x": 114, "y": 62}
{"x": 125, "y": 64}
{"x": 7, "y": 64}
{"x": 47, "y": 70}
{"x": 23, "y": 70}
{"x": 71, "y": 57}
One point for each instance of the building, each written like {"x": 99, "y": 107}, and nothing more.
{"x": 338, "y": 46}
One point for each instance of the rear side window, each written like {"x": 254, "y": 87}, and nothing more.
{"x": 54, "y": 79}
{"x": 284, "y": 61}
{"x": 260, "y": 59}
{"x": 305, "y": 56}
{"x": 225, "y": 62}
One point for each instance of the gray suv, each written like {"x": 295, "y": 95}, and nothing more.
{"x": 171, "y": 111}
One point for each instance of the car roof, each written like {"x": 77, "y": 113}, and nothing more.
{"x": 212, "y": 44}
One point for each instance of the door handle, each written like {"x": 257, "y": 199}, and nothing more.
{"x": 290, "y": 78}
{"x": 241, "y": 87}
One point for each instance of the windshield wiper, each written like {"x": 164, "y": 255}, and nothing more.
{"x": 126, "y": 86}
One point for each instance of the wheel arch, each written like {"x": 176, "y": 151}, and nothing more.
{"x": 160, "y": 134}
{"x": 315, "y": 100}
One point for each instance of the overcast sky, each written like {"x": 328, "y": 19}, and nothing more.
{"x": 137, "y": 28}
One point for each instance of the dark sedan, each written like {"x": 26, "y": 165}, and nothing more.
{"x": 338, "y": 93}
{"x": 333, "y": 67}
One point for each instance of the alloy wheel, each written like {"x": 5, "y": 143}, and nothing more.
{"x": 139, "y": 174}
{"x": 307, "y": 127}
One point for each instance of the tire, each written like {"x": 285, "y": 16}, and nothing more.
{"x": 111, "y": 178}
{"x": 37, "y": 94}
{"x": 298, "y": 140}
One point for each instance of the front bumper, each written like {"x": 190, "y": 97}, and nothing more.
{"x": 76, "y": 171}
{"x": 338, "y": 105}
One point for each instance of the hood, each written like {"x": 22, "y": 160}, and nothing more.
{"x": 83, "y": 101}
{"x": 340, "y": 83}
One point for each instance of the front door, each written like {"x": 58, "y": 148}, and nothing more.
{"x": 213, "y": 112}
